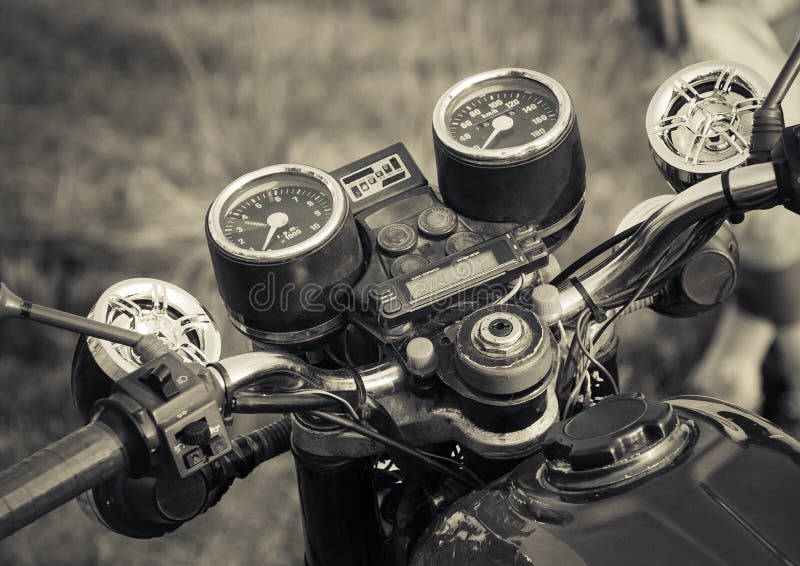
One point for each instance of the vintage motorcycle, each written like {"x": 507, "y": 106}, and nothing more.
{"x": 448, "y": 392}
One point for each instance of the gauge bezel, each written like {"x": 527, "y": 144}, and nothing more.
{"x": 445, "y": 107}
{"x": 340, "y": 207}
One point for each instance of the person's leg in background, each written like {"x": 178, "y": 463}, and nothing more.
{"x": 761, "y": 313}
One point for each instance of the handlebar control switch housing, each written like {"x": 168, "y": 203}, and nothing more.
{"x": 183, "y": 428}
{"x": 149, "y": 306}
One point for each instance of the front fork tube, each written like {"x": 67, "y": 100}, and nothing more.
{"x": 341, "y": 522}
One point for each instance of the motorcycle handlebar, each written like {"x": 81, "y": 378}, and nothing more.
{"x": 57, "y": 473}
{"x": 751, "y": 187}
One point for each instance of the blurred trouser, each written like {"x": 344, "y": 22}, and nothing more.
{"x": 765, "y": 310}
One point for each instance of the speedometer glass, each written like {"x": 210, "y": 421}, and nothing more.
{"x": 505, "y": 115}
{"x": 273, "y": 218}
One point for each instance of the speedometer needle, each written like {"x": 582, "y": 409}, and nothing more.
{"x": 500, "y": 124}
{"x": 274, "y": 221}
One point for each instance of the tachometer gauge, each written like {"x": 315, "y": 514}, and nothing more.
{"x": 508, "y": 149}
{"x": 280, "y": 239}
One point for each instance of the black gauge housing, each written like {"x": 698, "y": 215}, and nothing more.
{"x": 292, "y": 296}
{"x": 540, "y": 182}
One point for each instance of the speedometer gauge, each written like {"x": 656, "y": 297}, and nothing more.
{"x": 508, "y": 149}
{"x": 505, "y": 116}
{"x": 280, "y": 239}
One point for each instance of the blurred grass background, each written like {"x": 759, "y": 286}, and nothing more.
{"x": 121, "y": 120}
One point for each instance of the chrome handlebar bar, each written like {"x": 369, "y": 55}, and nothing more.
{"x": 288, "y": 372}
{"x": 751, "y": 187}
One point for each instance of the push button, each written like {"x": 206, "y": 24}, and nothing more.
{"x": 217, "y": 446}
{"x": 461, "y": 241}
{"x": 194, "y": 457}
{"x": 397, "y": 238}
{"x": 437, "y": 221}
{"x": 408, "y": 263}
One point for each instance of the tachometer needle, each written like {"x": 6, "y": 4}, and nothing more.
{"x": 275, "y": 221}
{"x": 500, "y": 124}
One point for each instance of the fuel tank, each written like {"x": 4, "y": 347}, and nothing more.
{"x": 690, "y": 481}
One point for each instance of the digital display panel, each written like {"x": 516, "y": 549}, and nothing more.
{"x": 432, "y": 282}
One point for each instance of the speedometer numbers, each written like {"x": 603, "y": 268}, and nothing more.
{"x": 503, "y": 119}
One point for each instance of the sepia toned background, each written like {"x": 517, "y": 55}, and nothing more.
{"x": 121, "y": 120}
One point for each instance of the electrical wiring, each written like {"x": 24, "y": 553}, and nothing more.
{"x": 336, "y": 359}
{"x": 398, "y": 446}
{"x": 593, "y": 254}
{"x": 469, "y": 472}
{"x": 580, "y": 370}
{"x": 298, "y": 401}
{"x": 588, "y": 352}
{"x": 346, "y": 346}
{"x": 342, "y": 400}
{"x": 378, "y": 437}
{"x": 675, "y": 255}
{"x": 584, "y": 378}
{"x": 632, "y": 300}
{"x": 510, "y": 295}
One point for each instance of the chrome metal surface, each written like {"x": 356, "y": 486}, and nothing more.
{"x": 699, "y": 120}
{"x": 237, "y": 191}
{"x": 152, "y": 306}
{"x": 10, "y": 303}
{"x": 751, "y": 187}
{"x": 488, "y": 341}
{"x": 291, "y": 338}
{"x": 563, "y": 222}
{"x": 483, "y": 83}
{"x": 559, "y": 475}
{"x": 280, "y": 368}
{"x": 430, "y": 421}
{"x": 521, "y": 364}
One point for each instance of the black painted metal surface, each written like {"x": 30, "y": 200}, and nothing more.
{"x": 732, "y": 497}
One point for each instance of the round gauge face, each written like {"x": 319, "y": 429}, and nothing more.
{"x": 277, "y": 217}
{"x": 277, "y": 212}
{"x": 504, "y": 114}
{"x": 503, "y": 118}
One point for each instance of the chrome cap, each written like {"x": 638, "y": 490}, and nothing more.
{"x": 151, "y": 306}
{"x": 700, "y": 119}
